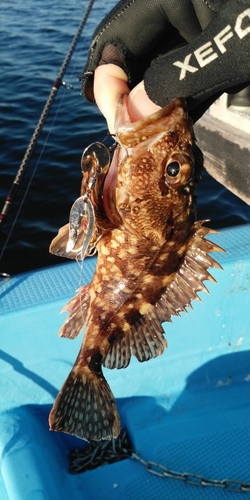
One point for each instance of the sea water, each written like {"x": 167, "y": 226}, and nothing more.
{"x": 35, "y": 38}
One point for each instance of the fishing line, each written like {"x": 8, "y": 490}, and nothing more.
{"x": 30, "y": 181}
{"x": 33, "y": 173}
{"x": 58, "y": 82}
{"x": 30, "y": 149}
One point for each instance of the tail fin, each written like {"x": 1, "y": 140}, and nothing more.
{"x": 85, "y": 407}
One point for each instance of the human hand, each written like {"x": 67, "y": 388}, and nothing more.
{"x": 185, "y": 48}
{"x": 109, "y": 82}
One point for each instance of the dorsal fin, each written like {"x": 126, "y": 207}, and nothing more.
{"x": 190, "y": 276}
{"x": 77, "y": 308}
{"x": 144, "y": 338}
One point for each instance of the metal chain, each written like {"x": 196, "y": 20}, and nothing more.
{"x": 100, "y": 453}
{"x": 193, "y": 479}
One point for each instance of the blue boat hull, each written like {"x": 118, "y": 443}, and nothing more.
{"x": 187, "y": 409}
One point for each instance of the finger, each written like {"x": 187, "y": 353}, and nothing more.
{"x": 139, "y": 104}
{"x": 109, "y": 82}
{"x": 135, "y": 32}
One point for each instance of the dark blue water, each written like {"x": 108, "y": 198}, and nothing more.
{"x": 35, "y": 37}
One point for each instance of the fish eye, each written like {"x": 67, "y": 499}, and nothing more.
{"x": 173, "y": 169}
{"x": 178, "y": 170}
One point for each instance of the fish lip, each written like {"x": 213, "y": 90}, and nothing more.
{"x": 108, "y": 196}
{"x": 123, "y": 120}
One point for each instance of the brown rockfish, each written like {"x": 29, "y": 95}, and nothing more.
{"x": 152, "y": 259}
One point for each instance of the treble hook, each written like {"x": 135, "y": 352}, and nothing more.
{"x": 67, "y": 85}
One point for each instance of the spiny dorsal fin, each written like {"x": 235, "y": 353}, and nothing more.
{"x": 85, "y": 407}
{"x": 77, "y": 308}
{"x": 190, "y": 276}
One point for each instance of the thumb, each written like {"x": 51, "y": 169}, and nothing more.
{"x": 109, "y": 82}
{"x": 139, "y": 104}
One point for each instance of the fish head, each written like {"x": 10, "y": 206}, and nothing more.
{"x": 152, "y": 178}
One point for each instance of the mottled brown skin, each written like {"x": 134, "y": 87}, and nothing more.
{"x": 152, "y": 259}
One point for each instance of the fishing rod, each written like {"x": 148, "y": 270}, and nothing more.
{"x": 58, "y": 82}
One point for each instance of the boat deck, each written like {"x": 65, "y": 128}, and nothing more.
{"x": 187, "y": 409}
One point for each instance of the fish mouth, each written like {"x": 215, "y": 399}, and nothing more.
{"x": 134, "y": 138}
{"x": 109, "y": 202}
{"x": 124, "y": 124}
{"x": 108, "y": 195}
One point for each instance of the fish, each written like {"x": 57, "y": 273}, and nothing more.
{"x": 152, "y": 259}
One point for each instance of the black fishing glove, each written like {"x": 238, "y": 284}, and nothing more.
{"x": 195, "y": 49}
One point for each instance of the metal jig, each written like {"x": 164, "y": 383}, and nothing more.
{"x": 95, "y": 159}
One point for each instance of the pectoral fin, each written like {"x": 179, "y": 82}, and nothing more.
{"x": 77, "y": 308}
{"x": 58, "y": 245}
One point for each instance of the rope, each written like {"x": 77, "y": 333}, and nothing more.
{"x": 17, "y": 181}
